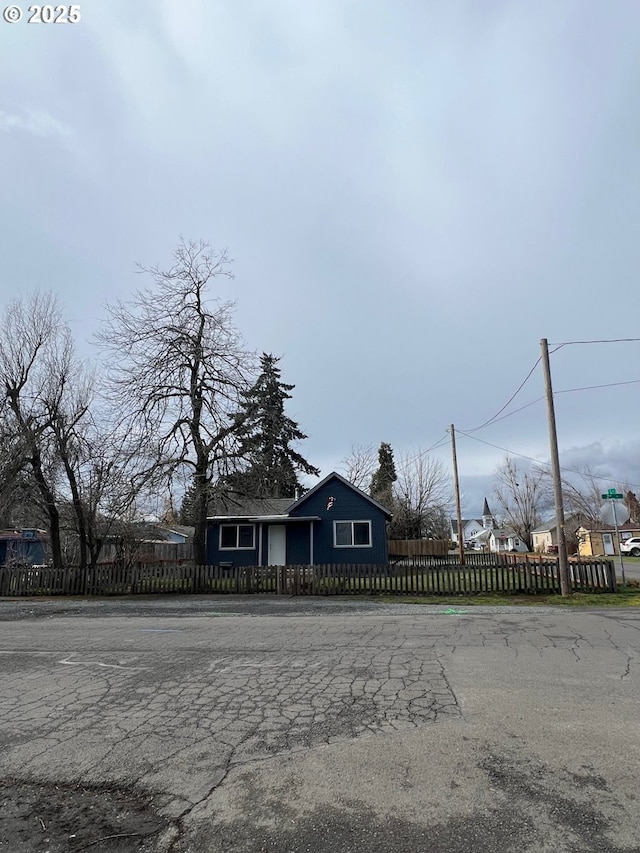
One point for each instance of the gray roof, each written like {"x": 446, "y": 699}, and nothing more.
{"x": 569, "y": 521}
{"x": 255, "y": 508}
{"x": 251, "y": 507}
{"x": 465, "y": 521}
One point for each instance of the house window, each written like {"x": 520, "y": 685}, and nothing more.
{"x": 352, "y": 534}
{"x": 237, "y": 537}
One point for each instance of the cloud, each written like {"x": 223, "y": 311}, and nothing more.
{"x": 36, "y": 122}
{"x": 611, "y": 464}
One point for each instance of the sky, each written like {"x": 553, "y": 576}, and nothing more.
{"x": 413, "y": 194}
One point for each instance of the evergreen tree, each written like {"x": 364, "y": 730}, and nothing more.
{"x": 187, "y": 515}
{"x": 266, "y": 435}
{"x": 384, "y": 477}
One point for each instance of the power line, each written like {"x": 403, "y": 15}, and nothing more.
{"x": 404, "y": 463}
{"x": 606, "y": 341}
{"x": 508, "y": 415}
{"x": 591, "y": 387}
{"x": 511, "y": 398}
{"x": 496, "y": 419}
{"x": 538, "y": 462}
{"x": 555, "y": 393}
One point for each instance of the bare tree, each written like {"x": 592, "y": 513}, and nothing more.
{"x": 178, "y": 366}
{"x": 358, "y": 466}
{"x": 16, "y": 487}
{"x": 423, "y": 495}
{"x": 62, "y": 463}
{"x": 523, "y": 494}
{"x": 582, "y": 495}
{"x": 28, "y": 345}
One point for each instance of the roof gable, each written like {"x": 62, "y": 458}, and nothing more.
{"x": 465, "y": 523}
{"x": 345, "y": 482}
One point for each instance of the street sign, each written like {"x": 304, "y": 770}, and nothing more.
{"x": 614, "y": 512}
{"x": 612, "y": 495}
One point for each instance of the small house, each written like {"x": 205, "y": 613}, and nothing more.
{"x": 499, "y": 540}
{"x": 600, "y": 540}
{"x": 332, "y": 523}
{"x": 545, "y": 537}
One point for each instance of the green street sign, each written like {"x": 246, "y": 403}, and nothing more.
{"x": 611, "y": 492}
{"x": 612, "y": 495}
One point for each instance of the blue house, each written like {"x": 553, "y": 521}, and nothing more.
{"x": 334, "y": 522}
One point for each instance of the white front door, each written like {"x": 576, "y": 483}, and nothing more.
{"x": 607, "y": 541}
{"x": 277, "y": 545}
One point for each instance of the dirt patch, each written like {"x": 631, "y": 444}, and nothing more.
{"x": 37, "y": 818}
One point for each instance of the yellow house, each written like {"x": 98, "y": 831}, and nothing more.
{"x": 545, "y": 537}
{"x": 600, "y": 542}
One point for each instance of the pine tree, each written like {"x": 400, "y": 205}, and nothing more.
{"x": 384, "y": 477}
{"x": 267, "y": 433}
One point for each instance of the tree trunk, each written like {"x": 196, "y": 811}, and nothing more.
{"x": 200, "y": 521}
{"x": 77, "y": 508}
{"x": 52, "y": 513}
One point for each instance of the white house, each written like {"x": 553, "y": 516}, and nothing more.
{"x": 500, "y": 540}
{"x": 472, "y": 527}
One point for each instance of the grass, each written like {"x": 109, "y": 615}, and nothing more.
{"x": 626, "y": 596}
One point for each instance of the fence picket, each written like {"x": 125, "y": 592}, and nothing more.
{"x": 423, "y": 575}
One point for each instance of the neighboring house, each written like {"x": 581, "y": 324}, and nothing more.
{"x": 26, "y": 544}
{"x": 545, "y": 537}
{"x": 472, "y": 527}
{"x": 148, "y": 541}
{"x": 600, "y": 540}
{"x": 334, "y": 522}
{"x": 500, "y": 540}
{"x": 161, "y": 533}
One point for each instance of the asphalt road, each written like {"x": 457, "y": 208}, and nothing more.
{"x": 281, "y": 726}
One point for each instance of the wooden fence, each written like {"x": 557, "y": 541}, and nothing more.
{"x": 415, "y": 547}
{"x": 147, "y": 552}
{"x": 412, "y": 577}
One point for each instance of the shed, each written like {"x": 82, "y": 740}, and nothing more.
{"x": 26, "y": 544}
{"x": 600, "y": 540}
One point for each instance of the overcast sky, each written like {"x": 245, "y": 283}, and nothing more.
{"x": 413, "y": 193}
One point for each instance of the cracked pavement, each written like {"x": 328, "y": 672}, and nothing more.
{"x": 290, "y": 726}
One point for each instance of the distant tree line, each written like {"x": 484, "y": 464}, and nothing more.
{"x": 419, "y": 492}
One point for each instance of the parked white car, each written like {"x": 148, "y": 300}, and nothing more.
{"x": 631, "y": 547}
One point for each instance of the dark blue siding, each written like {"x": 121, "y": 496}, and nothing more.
{"x": 298, "y": 544}
{"x": 348, "y": 505}
{"x": 240, "y": 557}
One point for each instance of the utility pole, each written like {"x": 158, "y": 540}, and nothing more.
{"x": 563, "y": 570}
{"x": 456, "y": 485}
